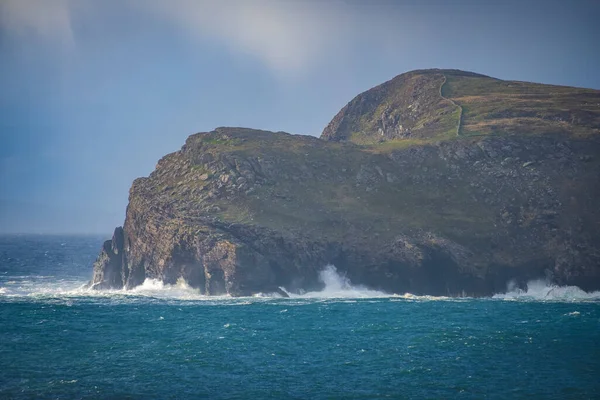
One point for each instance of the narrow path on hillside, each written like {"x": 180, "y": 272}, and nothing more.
{"x": 456, "y": 105}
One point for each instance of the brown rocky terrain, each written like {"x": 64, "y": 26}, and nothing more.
{"x": 437, "y": 182}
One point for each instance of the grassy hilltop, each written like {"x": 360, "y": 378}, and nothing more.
{"x": 425, "y": 106}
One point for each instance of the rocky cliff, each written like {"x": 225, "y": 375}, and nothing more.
{"x": 437, "y": 182}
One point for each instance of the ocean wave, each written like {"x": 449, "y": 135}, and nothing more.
{"x": 155, "y": 288}
{"x": 151, "y": 288}
{"x": 31, "y": 286}
{"x": 414, "y": 297}
{"x": 540, "y": 290}
{"x": 337, "y": 286}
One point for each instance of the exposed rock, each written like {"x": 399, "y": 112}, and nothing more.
{"x": 242, "y": 211}
{"x": 110, "y": 267}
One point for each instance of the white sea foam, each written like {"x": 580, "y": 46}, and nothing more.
{"x": 410, "y": 296}
{"x": 151, "y": 288}
{"x": 573, "y": 314}
{"x": 338, "y": 286}
{"x": 540, "y": 290}
{"x": 157, "y": 289}
{"x": 262, "y": 295}
{"x": 39, "y": 286}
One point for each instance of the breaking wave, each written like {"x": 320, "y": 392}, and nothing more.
{"x": 48, "y": 287}
{"x": 45, "y": 288}
{"x": 40, "y": 286}
{"x": 157, "y": 289}
{"x": 540, "y": 290}
{"x": 338, "y": 286}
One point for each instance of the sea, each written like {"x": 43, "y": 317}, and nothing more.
{"x": 59, "y": 340}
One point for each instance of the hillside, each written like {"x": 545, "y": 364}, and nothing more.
{"x": 399, "y": 196}
{"x": 431, "y": 105}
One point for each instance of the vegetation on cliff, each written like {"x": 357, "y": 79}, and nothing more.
{"x": 425, "y": 106}
{"x": 436, "y": 182}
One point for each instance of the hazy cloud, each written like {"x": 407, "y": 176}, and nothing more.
{"x": 49, "y": 19}
{"x": 288, "y": 36}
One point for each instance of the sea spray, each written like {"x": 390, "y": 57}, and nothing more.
{"x": 157, "y": 289}
{"x": 338, "y": 286}
{"x": 540, "y": 290}
{"x": 33, "y": 288}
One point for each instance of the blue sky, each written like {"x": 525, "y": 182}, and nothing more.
{"x": 93, "y": 93}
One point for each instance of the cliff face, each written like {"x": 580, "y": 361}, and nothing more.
{"x": 241, "y": 211}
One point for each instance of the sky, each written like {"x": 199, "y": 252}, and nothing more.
{"x": 94, "y": 92}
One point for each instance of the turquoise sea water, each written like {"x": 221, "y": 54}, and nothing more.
{"x": 60, "y": 341}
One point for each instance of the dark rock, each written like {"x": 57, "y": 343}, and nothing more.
{"x": 109, "y": 268}
{"x": 242, "y": 211}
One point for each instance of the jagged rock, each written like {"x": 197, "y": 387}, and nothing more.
{"x": 242, "y": 211}
{"x": 109, "y": 267}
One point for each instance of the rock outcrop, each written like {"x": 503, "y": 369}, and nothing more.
{"x": 112, "y": 261}
{"x": 414, "y": 209}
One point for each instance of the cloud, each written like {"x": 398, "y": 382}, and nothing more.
{"x": 49, "y": 19}
{"x": 288, "y": 36}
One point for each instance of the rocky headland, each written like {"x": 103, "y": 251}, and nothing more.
{"x": 438, "y": 182}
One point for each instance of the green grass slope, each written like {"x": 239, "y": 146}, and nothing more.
{"x": 426, "y": 106}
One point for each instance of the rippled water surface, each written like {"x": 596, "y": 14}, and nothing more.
{"x": 58, "y": 340}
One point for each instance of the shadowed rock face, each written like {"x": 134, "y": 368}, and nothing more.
{"x": 111, "y": 263}
{"x": 242, "y": 211}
